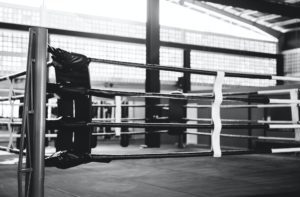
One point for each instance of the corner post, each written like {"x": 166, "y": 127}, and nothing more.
{"x": 39, "y": 82}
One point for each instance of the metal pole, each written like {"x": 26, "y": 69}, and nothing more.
{"x": 152, "y": 139}
{"x": 186, "y": 84}
{"x": 39, "y": 105}
{"x": 279, "y": 68}
{"x": 186, "y": 76}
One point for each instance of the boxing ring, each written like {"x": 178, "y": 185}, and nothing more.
{"x": 37, "y": 90}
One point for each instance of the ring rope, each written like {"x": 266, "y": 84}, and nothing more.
{"x": 55, "y": 88}
{"x": 17, "y": 74}
{"x": 13, "y": 76}
{"x": 245, "y": 121}
{"x": 227, "y": 106}
{"x": 169, "y": 68}
{"x": 157, "y": 125}
{"x": 18, "y": 121}
{"x": 245, "y": 136}
{"x": 261, "y": 92}
{"x": 189, "y": 132}
{"x": 194, "y": 71}
{"x": 241, "y": 106}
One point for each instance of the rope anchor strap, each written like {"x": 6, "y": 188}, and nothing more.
{"x": 216, "y": 114}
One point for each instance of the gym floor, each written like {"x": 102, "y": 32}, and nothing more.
{"x": 243, "y": 175}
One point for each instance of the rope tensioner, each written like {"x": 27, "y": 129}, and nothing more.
{"x": 193, "y": 71}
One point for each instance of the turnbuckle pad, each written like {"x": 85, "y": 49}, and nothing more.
{"x": 68, "y": 159}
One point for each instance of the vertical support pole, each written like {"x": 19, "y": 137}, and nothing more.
{"x": 186, "y": 76}
{"x": 191, "y": 113}
{"x": 39, "y": 77}
{"x": 26, "y": 122}
{"x": 216, "y": 115}
{"x": 295, "y": 111}
{"x": 131, "y": 114}
{"x": 118, "y": 114}
{"x": 279, "y": 68}
{"x": 152, "y": 76}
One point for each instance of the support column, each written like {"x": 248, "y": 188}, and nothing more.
{"x": 152, "y": 76}
{"x": 186, "y": 76}
{"x": 191, "y": 113}
{"x": 39, "y": 77}
{"x": 279, "y": 69}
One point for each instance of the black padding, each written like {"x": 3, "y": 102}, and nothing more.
{"x": 125, "y": 139}
{"x": 177, "y": 113}
{"x": 67, "y": 159}
{"x": 72, "y": 70}
{"x": 107, "y": 114}
{"x": 82, "y": 136}
{"x": 64, "y": 136}
{"x": 94, "y": 130}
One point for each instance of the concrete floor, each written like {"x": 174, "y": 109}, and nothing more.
{"x": 245, "y": 175}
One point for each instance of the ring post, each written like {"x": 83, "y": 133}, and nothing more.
{"x": 39, "y": 78}
{"x": 216, "y": 115}
{"x": 152, "y": 84}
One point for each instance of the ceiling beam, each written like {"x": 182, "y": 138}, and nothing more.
{"x": 272, "y": 7}
{"x": 266, "y": 29}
